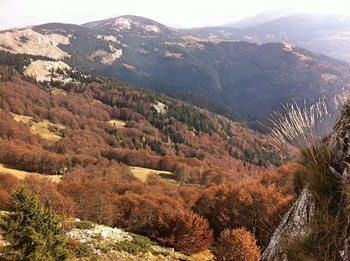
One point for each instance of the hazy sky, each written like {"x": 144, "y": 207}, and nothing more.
{"x": 181, "y": 13}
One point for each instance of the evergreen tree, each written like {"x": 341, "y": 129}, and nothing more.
{"x": 33, "y": 231}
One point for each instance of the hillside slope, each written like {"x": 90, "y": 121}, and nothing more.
{"x": 92, "y": 117}
{"x": 99, "y": 136}
{"x": 227, "y": 77}
{"x": 326, "y": 34}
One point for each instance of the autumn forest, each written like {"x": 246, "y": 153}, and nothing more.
{"x": 220, "y": 178}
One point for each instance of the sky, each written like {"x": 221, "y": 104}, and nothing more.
{"x": 179, "y": 13}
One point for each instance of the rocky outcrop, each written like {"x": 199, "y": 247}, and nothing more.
{"x": 296, "y": 223}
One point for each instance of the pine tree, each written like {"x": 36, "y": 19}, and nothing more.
{"x": 33, "y": 231}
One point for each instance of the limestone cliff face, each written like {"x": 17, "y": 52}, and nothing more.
{"x": 296, "y": 222}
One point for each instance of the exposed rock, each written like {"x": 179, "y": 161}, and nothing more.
{"x": 103, "y": 239}
{"x": 88, "y": 235}
{"x": 107, "y": 57}
{"x": 160, "y": 107}
{"x": 173, "y": 55}
{"x": 296, "y": 223}
{"x": 30, "y": 42}
{"x": 43, "y": 70}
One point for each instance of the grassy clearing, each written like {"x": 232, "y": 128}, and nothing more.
{"x": 140, "y": 173}
{"x": 117, "y": 123}
{"x": 45, "y": 129}
{"x": 56, "y": 91}
{"x": 20, "y": 174}
{"x": 94, "y": 101}
{"x": 143, "y": 173}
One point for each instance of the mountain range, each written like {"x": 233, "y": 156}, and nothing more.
{"x": 244, "y": 73}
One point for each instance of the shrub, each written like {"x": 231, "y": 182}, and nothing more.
{"x": 237, "y": 245}
{"x": 182, "y": 229}
{"x": 83, "y": 250}
{"x": 174, "y": 226}
{"x": 84, "y": 224}
{"x": 33, "y": 231}
{"x": 139, "y": 245}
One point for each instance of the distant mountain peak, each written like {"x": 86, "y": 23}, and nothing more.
{"x": 263, "y": 17}
{"x": 128, "y": 22}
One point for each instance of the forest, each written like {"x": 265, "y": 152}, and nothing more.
{"x": 226, "y": 179}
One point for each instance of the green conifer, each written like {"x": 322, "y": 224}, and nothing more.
{"x": 33, "y": 231}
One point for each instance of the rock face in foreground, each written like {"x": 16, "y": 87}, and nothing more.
{"x": 296, "y": 223}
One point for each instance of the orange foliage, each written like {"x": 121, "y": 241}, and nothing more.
{"x": 249, "y": 205}
{"x": 8, "y": 183}
{"x": 50, "y": 196}
{"x": 237, "y": 245}
{"x": 182, "y": 229}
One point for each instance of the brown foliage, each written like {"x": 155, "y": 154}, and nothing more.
{"x": 50, "y": 196}
{"x": 182, "y": 229}
{"x": 152, "y": 215}
{"x": 93, "y": 198}
{"x": 8, "y": 183}
{"x": 249, "y": 205}
{"x": 237, "y": 245}
{"x": 33, "y": 158}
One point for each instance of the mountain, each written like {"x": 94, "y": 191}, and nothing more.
{"x": 326, "y": 34}
{"x": 232, "y": 78}
{"x": 260, "y": 18}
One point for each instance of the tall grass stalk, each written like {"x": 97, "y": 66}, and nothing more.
{"x": 301, "y": 127}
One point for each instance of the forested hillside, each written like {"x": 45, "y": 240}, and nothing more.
{"x": 229, "y": 76}
{"x": 89, "y": 131}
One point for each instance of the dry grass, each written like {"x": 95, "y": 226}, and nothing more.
{"x": 56, "y": 91}
{"x": 23, "y": 174}
{"x": 301, "y": 127}
{"x": 330, "y": 224}
{"x": 143, "y": 173}
{"x": 94, "y": 101}
{"x": 117, "y": 123}
{"x": 45, "y": 129}
{"x": 203, "y": 256}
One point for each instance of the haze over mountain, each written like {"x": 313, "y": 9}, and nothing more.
{"x": 326, "y": 34}
{"x": 261, "y": 18}
{"x": 216, "y": 72}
